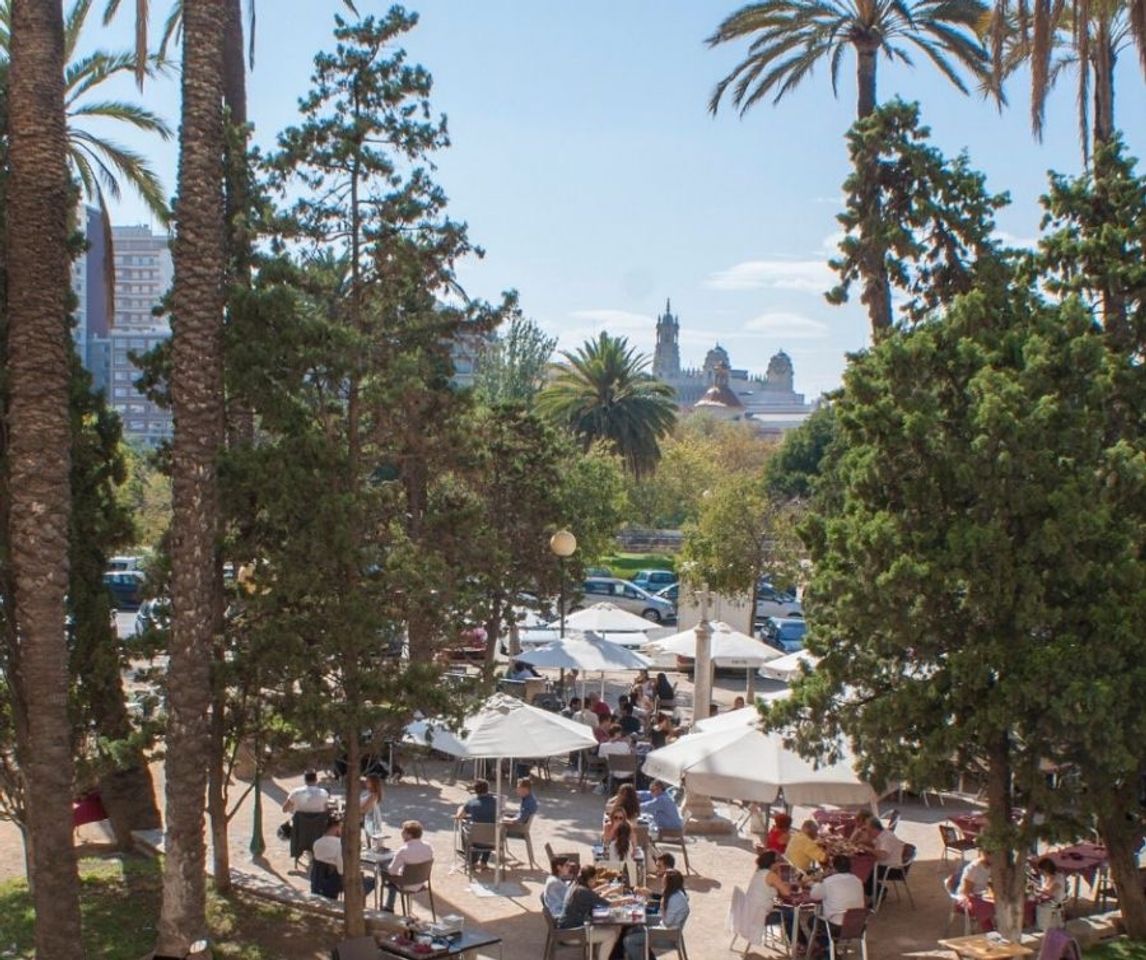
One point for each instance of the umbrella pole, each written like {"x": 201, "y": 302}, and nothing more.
{"x": 498, "y": 828}
{"x": 750, "y": 687}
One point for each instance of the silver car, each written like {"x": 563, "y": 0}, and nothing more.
{"x": 627, "y": 596}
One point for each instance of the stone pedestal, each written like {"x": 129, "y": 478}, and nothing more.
{"x": 700, "y": 815}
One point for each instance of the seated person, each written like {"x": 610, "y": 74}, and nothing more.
{"x": 663, "y": 690}
{"x": 654, "y": 884}
{"x": 327, "y": 851}
{"x": 840, "y": 891}
{"x": 626, "y": 799}
{"x": 414, "y": 850}
{"x": 521, "y": 671}
{"x": 481, "y": 808}
{"x": 738, "y": 703}
{"x": 309, "y": 798}
{"x": 628, "y": 721}
{"x": 614, "y": 820}
{"x": 557, "y": 886}
{"x": 515, "y": 826}
{"x": 617, "y": 745}
{"x": 587, "y": 715}
{"x": 976, "y": 878}
{"x": 1052, "y": 884}
{"x": 803, "y": 850}
{"x": 599, "y": 707}
{"x": 623, "y": 845}
{"x": 660, "y": 806}
{"x": 674, "y": 914}
{"x": 572, "y": 708}
{"x": 765, "y": 887}
{"x": 580, "y": 902}
{"x": 863, "y": 832}
{"x": 888, "y": 848}
{"x": 779, "y": 835}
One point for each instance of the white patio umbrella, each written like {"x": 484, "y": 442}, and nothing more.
{"x": 508, "y": 727}
{"x": 739, "y": 719}
{"x": 743, "y": 763}
{"x": 606, "y": 617}
{"x": 788, "y": 667}
{"x": 586, "y": 652}
{"x": 435, "y": 735}
{"x": 727, "y": 644}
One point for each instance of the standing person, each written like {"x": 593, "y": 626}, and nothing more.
{"x": 309, "y": 798}
{"x": 414, "y": 850}
{"x": 371, "y": 801}
{"x": 659, "y": 805}
{"x": 839, "y": 892}
{"x": 557, "y": 886}
{"x": 580, "y": 902}
{"x": 480, "y": 808}
{"x": 674, "y": 914}
{"x": 803, "y": 850}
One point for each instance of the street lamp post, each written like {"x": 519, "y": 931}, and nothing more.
{"x": 564, "y": 545}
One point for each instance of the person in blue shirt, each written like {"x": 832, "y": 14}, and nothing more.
{"x": 674, "y": 913}
{"x": 481, "y": 808}
{"x": 659, "y": 805}
{"x": 528, "y": 805}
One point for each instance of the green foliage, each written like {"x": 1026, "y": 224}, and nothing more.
{"x": 511, "y": 366}
{"x": 914, "y": 221}
{"x": 790, "y": 37}
{"x": 119, "y": 899}
{"x": 594, "y": 500}
{"x": 627, "y": 565}
{"x": 146, "y": 495}
{"x": 602, "y": 392}
{"x": 793, "y": 472}
{"x": 694, "y": 457}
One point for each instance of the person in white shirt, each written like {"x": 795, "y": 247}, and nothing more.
{"x": 327, "y": 850}
{"x": 309, "y": 798}
{"x": 888, "y": 847}
{"x": 839, "y": 892}
{"x": 976, "y": 876}
{"x": 414, "y": 850}
{"x": 1052, "y": 884}
{"x": 617, "y": 745}
{"x": 557, "y": 886}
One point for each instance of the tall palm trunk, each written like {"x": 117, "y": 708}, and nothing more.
{"x": 197, "y": 399}
{"x": 1104, "y": 57}
{"x": 39, "y": 349}
{"x": 866, "y": 54}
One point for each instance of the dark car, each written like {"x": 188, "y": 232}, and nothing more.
{"x": 125, "y": 587}
{"x": 784, "y": 633}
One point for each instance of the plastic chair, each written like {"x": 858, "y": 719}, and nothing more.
{"x": 556, "y": 936}
{"x": 592, "y": 767}
{"x": 852, "y": 930}
{"x": 518, "y": 831}
{"x": 621, "y": 766}
{"x": 477, "y": 838}
{"x": 896, "y": 876}
{"x": 414, "y": 878}
{"x": 325, "y": 880}
{"x": 360, "y": 948}
{"x": 954, "y": 840}
{"x": 893, "y": 820}
{"x": 750, "y": 929}
{"x": 305, "y": 828}
{"x": 675, "y": 838}
{"x": 671, "y": 937}
{"x": 958, "y": 905}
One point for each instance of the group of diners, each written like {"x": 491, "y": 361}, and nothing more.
{"x": 587, "y": 896}
{"x": 482, "y": 808}
{"x": 809, "y": 847}
{"x": 970, "y": 887}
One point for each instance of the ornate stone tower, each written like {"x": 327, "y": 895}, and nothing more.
{"x": 666, "y": 356}
{"x": 780, "y": 372}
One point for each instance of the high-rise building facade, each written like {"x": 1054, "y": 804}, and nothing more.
{"x": 143, "y": 275}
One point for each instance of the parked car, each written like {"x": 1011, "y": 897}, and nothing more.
{"x": 125, "y": 563}
{"x": 784, "y": 633}
{"x": 771, "y": 602}
{"x": 125, "y": 587}
{"x": 671, "y": 593}
{"x": 627, "y": 596}
{"x": 654, "y": 580}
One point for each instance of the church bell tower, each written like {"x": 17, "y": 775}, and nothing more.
{"x": 666, "y": 356}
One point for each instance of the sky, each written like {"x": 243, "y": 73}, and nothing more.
{"x": 588, "y": 167}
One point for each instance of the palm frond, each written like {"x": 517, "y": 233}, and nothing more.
{"x": 73, "y": 27}
{"x": 138, "y": 117}
{"x": 113, "y": 161}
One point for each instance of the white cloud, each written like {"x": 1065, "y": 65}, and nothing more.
{"x": 1010, "y": 240}
{"x": 792, "y": 326}
{"x": 808, "y": 275}
{"x": 615, "y": 319}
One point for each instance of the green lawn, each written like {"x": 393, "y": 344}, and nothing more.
{"x": 120, "y": 899}
{"x": 1118, "y": 950}
{"x": 626, "y": 565}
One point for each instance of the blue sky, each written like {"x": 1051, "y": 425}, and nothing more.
{"x": 587, "y": 165}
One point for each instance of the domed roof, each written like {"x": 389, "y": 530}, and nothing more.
{"x": 715, "y": 357}
{"x": 720, "y": 394}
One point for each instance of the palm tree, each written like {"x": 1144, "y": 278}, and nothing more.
{"x": 197, "y": 400}
{"x": 790, "y": 37}
{"x": 37, "y": 483}
{"x": 1066, "y": 43}
{"x": 602, "y": 393}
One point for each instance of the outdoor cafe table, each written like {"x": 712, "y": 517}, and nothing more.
{"x": 803, "y": 909}
{"x": 971, "y": 824}
{"x": 472, "y": 938}
{"x": 981, "y": 947}
{"x": 378, "y": 860}
{"x": 838, "y": 821}
{"x": 600, "y": 856}
{"x": 1082, "y": 861}
{"x": 628, "y": 915}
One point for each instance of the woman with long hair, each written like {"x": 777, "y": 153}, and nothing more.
{"x": 622, "y": 847}
{"x": 371, "y": 803}
{"x": 626, "y": 799}
{"x": 674, "y": 913}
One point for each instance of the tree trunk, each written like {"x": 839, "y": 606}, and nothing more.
{"x": 1122, "y": 833}
{"x": 39, "y": 354}
{"x": 353, "y": 895}
{"x": 197, "y": 400}
{"x": 217, "y": 789}
{"x": 1104, "y": 58}
{"x": 866, "y": 58}
{"x": 1008, "y": 871}
{"x": 493, "y": 627}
